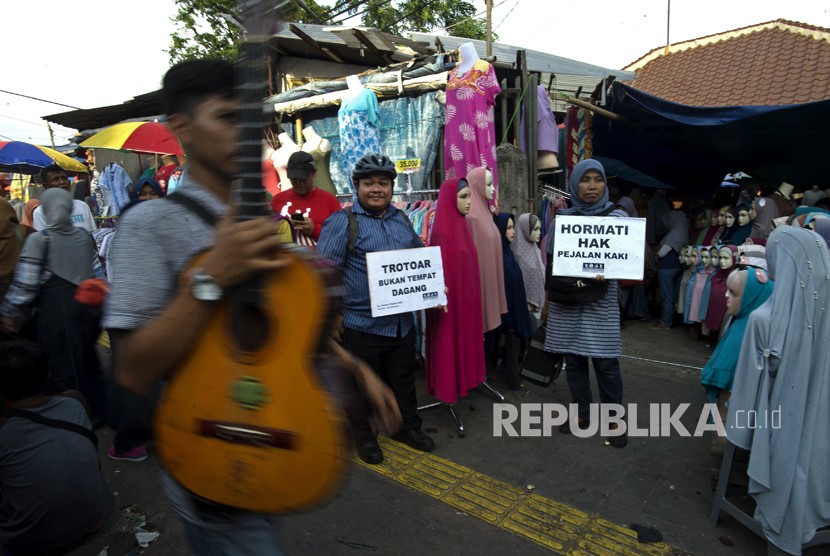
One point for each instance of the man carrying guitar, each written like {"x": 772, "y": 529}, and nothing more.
{"x": 155, "y": 318}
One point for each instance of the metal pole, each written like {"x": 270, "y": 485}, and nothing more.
{"x": 489, "y": 28}
{"x": 668, "y": 22}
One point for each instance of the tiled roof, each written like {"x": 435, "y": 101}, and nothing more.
{"x": 773, "y": 63}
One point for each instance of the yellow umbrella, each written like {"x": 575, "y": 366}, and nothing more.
{"x": 140, "y": 137}
{"x": 26, "y": 158}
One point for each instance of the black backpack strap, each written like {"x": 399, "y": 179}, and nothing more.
{"x": 195, "y": 207}
{"x": 353, "y": 229}
{"x": 56, "y": 423}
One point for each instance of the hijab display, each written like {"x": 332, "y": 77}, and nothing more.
{"x": 320, "y": 151}
{"x": 359, "y": 127}
{"x": 716, "y": 311}
{"x": 783, "y": 365}
{"x": 526, "y": 249}
{"x": 696, "y": 265}
{"x": 469, "y": 120}
{"x": 686, "y": 264}
{"x": 700, "y": 299}
{"x": 517, "y": 317}
{"x": 454, "y": 343}
{"x": 765, "y": 211}
{"x": 487, "y": 239}
{"x": 719, "y": 371}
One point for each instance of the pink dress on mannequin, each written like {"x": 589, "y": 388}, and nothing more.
{"x": 455, "y": 347}
{"x": 487, "y": 238}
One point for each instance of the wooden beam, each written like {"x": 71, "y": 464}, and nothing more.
{"x": 314, "y": 44}
{"x": 361, "y": 36}
{"x": 601, "y": 111}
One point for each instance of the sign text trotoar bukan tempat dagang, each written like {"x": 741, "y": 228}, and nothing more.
{"x": 405, "y": 280}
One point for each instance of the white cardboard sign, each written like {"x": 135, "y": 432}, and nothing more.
{"x": 405, "y": 280}
{"x": 585, "y": 246}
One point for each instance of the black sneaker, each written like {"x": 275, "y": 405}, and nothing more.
{"x": 414, "y": 438}
{"x": 370, "y": 452}
{"x": 565, "y": 428}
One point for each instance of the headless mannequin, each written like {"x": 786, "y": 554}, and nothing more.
{"x": 782, "y": 197}
{"x": 319, "y": 149}
{"x": 355, "y": 86}
{"x": 280, "y": 159}
{"x": 469, "y": 57}
{"x": 812, "y": 195}
{"x": 314, "y": 141}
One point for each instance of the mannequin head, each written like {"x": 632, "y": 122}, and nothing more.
{"x": 729, "y": 220}
{"x": 743, "y": 215}
{"x": 464, "y": 198}
{"x": 727, "y": 258}
{"x": 684, "y": 256}
{"x": 490, "y": 188}
{"x": 700, "y": 220}
{"x": 510, "y": 234}
{"x": 715, "y": 218}
{"x": 536, "y": 232}
{"x": 706, "y": 257}
{"x": 735, "y": 290}
{"x": 693, "y": 257}
{"x": 722, "y": 216}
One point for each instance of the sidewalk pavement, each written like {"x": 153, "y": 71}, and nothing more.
{"x": 482, "y": 494}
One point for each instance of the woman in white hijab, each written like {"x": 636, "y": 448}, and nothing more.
{"x": 778, "y": 408}
{"x": 51, "y": 265}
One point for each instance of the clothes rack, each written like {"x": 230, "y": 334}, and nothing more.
{"x": 458, "y": 423}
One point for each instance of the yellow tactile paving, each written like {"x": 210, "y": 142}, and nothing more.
{"x": 557, "y": 526}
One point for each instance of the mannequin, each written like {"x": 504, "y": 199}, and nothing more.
{"x": 763, "y": 212}
{"x": 696, "y": 266}
{"x": 319, "y": 149}
{"x": 270, "y": 178}
{"x": 358, "y": 123}
{"x": 782, "y": 197}
{"x": 703, "y": 286}
{"x": 469, "y": 119}
{"x": 686, "y": 263}
{"x": 516, "y": 325}
{"x": 717, "y": 298}
{"x": 280, "y": 159}
{"x": 526, "y": 249}
{"x": 547, "y": 133}
{"x": 812, "y": 195}
{"x": 454, "y": 348}
{"x": 487, "y": 239}
{"x": 743, "y": 225}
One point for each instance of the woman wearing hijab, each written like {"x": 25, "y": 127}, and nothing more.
{"x": 668, "y": 263}
{"x": 783, "y": 368}
{"x": 488, "y": 245}
{"x": 52, "y": 264}
{"x": 590, "y": 330}
{"x": 515, "y": 323}
{"x": 454, "y": 344}
{"x": 27, "y": 225}
{"x": 529, "y": 257}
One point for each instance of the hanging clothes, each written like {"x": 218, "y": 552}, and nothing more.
{"x": 488, "y": 244}
{"x": 470, "y": 123}
{"x": 359, "y": 131}
{"x": 113, "y": 183}
{"x": 547, "y": 130}
{"x": 322, "y": 180}
{"x": 454, "y": 346}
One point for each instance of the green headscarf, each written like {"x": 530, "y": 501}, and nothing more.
{"x": 719, "y": 371}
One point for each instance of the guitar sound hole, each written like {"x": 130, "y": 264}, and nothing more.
{"x": 250, "y": 327}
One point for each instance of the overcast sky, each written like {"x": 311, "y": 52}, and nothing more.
{"x": 100, "y": 52}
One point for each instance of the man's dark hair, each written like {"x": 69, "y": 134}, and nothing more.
{"x": 24, "y": 369}
{"x": 52, "y": 168}
{"x": 188, "y": 84}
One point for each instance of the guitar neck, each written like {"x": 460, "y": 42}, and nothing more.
{"x": 251, "y": 91}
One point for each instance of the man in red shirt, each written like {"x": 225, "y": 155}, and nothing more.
{"x": 306, "y": 206}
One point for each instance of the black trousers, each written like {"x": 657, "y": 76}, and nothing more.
{"x": 393, "y": 359}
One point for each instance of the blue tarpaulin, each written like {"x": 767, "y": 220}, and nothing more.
{"x": 692, "y": 148}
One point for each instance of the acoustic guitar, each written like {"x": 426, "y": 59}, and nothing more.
{"x": 246, "y": 420}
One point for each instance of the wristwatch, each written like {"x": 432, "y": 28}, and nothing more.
{"x": 204, "y": 287}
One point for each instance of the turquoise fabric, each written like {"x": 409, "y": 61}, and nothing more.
{"x": 719, "y": 371}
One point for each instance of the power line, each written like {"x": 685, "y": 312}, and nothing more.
{"x": 508, "y": 15}
{"x": 41, "y": 100}
{"x": 457, "y": 23}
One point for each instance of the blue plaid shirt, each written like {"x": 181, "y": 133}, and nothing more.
{"x": 390, "y": 232}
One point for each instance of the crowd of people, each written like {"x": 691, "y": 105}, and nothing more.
{"x": 750, "y": 274}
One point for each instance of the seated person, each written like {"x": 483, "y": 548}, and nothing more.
{"x": 52, "y": 492}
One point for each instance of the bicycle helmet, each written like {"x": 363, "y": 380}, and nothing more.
{"x": 371, "y": 164}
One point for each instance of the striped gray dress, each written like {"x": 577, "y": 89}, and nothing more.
{"x": 589, "y": 330}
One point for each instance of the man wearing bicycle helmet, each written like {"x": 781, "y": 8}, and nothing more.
{"x": 386, "y": 343}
